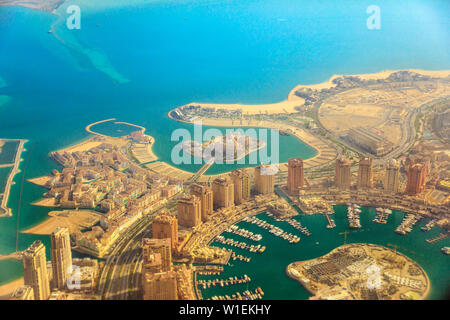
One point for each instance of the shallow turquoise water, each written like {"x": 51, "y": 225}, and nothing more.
{"x": 135, "y": 63}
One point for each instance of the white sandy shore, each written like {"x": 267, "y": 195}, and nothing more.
{"x": 366, "y": 76}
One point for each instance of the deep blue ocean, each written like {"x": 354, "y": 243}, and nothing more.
{"x": 135, "y": 60}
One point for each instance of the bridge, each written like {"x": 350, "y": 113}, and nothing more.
{"x": 202, "y": 170}
{"x": 12, "y": 256}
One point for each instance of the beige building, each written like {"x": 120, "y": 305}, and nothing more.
{"x": 151, "y": 247}
{"x": 369, "y": 141}
{"x": 164, "y": 226}
{"x": 241, "y": 182}
{"x": 205, "y": 194}
{"x": 264, "y": 179}
{"x": 223, "y": 192}
{"x": 61, "y": 257}
{"x": 391, "y": 178}
{"x": 35, "y": 270}
{"x": 342, "y": 175}
{"x": 23, "y": 293}
{"x": 365, "y": 173}
{"x": 296, "y": 175}
{"x": 189, "y": 211}
{"x": 160, "y": 286}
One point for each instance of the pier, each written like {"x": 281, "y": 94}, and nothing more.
{"x": 246, "y": 295}
{"x": 239, "y": 257}
{"x": 224, "y": 282}
{"x": 297, "y": 225}
{"x": 276, "y": 231}
{"x": 408, "y": 222}
{"x": 330, "y": 220}
{"x": 241, "y": 245}
{"x": 209, "y": 270}
{"x": 353, "y": 212}
{"x": 442, "y": 236}
{"x": 382, "y": 215}
{"x": 428, "y": 226}
{"x": 244, "y": 233}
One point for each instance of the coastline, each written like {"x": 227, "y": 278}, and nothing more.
{"x": 9, "y": 182}
{"x": 366, "y": 76}
{"x": 313, "y": 292}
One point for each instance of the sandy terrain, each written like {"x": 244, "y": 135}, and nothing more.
{"x": 40, "y": 181}
{"x": 75, "y": 220}
{"x": 143, "y": 152}
{"x": 367, "y": 76}
{"x": 7, "y": 289}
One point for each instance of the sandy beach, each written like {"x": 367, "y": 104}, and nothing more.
{"x": 74, "y": 220}
{"x": 287, "y": 106}
{"x": 366, "y": 76}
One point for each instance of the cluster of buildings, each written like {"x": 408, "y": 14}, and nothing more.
{"x": 224, "y": 192}
{"x": 58, "y": 278}
{"x": 161, "y": 280}
{"x": 102, "y": 178}
{"x": 416, "y": 176}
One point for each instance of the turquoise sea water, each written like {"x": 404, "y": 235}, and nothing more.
{"x": 135, "y": 63}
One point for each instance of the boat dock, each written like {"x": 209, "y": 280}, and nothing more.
{"x": 246, "y": 295}
{"x": 244, "y": 233}
{"x": 223, "y": 282}
{"x": 353, "y": 212}
{"x": 209, "y": 270}
{"x": 407, "y": 224}
{"x": 330, "y": 220}
{"x": 239, "y": 257}
{"x": 438, "y": 238}
{"x": 382, "y": 215}
{"x": 241, "y": 245}
{"x": 297, "y": 225}
{"x": 428, "y": 226}
{"x": 276, "y": 231}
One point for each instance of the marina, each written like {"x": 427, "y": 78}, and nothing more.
{"x": 353, "y": 212}
{"x": 382, "y": 215}
{"x": 239, "y": 257}
{"x": 331, "y": 224}
{"x": 438, "y": 238}
{"x": 297, "y": 225}
{"x": 209, "y": 270}
{"x": 257, "y": 294}
{"x": 428, "y": 226}
{"x": 407, "y": 224}
{"x": 242, "y": 245}
{"x": 224, "y": 282}
{"x": 244, "y": 233}
{"x": 276, "y": 231}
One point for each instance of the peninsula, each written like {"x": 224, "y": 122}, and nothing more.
{"x": 361, "y": 272}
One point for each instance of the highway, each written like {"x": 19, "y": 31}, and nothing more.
{"x": 120, "y": 266}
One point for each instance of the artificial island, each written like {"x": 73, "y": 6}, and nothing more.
{"x": 116, "y": 201}
{"x": 361, "y": 272}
